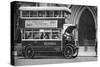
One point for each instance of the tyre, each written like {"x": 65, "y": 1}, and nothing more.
{"x": 29, "y": 52}
{"x": 68, "y": 52}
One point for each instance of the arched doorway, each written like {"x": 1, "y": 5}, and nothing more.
{"x": 87, "y": 31}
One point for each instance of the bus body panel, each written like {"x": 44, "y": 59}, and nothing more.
{"x": 44, "y": 46}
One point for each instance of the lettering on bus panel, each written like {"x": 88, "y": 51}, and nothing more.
{"x": 49, "y": 43}
{"x": 41, "y": 24}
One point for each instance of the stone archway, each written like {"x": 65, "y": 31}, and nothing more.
{"x": 79, "y": 12}
{"x": 87, "y": 31}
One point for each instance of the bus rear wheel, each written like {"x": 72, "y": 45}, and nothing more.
{"x": 29, "y": 52}
{"x": 68, "y": 52}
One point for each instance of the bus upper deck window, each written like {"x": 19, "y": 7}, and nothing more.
{"x": 25, "y": 13}
{"x": 33, "y": 13}
{"x": 41, "y": 13}
{"x": 50, "y": 13}
{"x": 57, "y": 14}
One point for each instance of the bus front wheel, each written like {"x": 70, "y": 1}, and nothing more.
{"x": 68, "y": 52}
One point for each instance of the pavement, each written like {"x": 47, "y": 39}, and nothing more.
{"x": 87, "y": 51}
{"x": 40, "y": 60}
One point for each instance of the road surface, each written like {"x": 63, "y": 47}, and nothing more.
{"x": 20, "y": 61}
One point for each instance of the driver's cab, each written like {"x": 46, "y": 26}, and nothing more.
{"x": 69, "y": 34}
{"x": 69, "y": 41}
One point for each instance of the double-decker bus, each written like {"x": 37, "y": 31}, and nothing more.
{"x": 42, "y": 30}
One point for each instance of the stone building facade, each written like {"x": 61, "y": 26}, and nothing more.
{"x": 86, "y": 19}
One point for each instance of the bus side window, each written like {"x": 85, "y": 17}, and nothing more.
{"x": 41, "y": 36}
{"x": 56, "y": 34}
{"x": 36, "y": 35}
{"x": 28, "y": 35}
{"x": 46, "y": 35}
